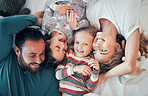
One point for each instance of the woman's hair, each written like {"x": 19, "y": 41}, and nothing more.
{"x": 143, "y": 47}
{"x": 116, "y": 59}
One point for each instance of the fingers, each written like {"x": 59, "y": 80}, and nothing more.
{"x": 87, "y": 70}
{"x": 70, "y": 15}
{"x": 94, "y": 63}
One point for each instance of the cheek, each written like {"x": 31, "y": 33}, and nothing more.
{"x": 28, "y": 59}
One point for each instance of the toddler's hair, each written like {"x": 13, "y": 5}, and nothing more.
{"x": 92, "y": 30}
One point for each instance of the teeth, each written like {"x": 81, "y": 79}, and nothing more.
{"x": 99, "y": 39}
{"x": 80, "y": 51}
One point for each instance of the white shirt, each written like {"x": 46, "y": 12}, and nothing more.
{"x": 124, "y": 14}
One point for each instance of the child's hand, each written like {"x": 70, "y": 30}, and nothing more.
{"x": 71, "y": 19}
{"x": 62, "y": 9}
{"x": 83, "y": 69}
{"x": 94, "y": 63}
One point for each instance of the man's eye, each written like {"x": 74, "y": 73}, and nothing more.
{"x": 32, "y": 55}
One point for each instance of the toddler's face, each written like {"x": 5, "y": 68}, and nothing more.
{"x": 83, "y": 44}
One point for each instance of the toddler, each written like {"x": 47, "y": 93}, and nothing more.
{"x": 64, "y": 16}
{"x": 79, "y": 73}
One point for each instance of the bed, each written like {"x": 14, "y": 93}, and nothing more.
{"x": 124, "y": 85}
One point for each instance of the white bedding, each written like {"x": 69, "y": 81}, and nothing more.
{"x": 116, "y": 86}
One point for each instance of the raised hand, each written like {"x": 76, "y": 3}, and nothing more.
{"x": 62, "y": 9}
{"x": 71, "y": 19}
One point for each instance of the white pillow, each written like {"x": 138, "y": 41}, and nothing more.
{"x": 35, "y": 5}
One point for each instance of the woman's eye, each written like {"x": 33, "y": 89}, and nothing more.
{"x": 103, "y": 50}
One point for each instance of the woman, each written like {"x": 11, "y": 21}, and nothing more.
{"x": 115, "y": 17}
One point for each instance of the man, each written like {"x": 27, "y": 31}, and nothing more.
{"x": 19, "y": 68}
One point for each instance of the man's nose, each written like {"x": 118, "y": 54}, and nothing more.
{"x": 38, "y": 60}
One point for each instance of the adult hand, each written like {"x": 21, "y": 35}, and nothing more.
{"x": 94, "y": 63}
{"x": 83, "y": 69}
{"x": 62, "y": 9}
{"x": 39, "y": 15}
{"x": 137, "y": 71}
{"x": 71, "y": 19}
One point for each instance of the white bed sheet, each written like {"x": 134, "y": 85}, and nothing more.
{"x": 116, "y": 86}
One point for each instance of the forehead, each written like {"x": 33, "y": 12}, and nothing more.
{"x": 34, "y": 46}
{"x": 82, "y": 35}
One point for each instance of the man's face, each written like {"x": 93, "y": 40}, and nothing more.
{"x": 32, "y": 55}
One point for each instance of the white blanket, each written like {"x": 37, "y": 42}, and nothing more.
{"x": 115, "y": 86}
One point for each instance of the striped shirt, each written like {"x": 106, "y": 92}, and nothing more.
{"x": 75, "y": 84}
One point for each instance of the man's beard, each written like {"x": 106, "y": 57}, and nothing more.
{"x": 25, "y": 65}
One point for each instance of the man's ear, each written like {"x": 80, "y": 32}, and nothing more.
{"x": 118, "y": 46}
{"x": 17, "y": 51}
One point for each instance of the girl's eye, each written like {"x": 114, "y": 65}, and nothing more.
{"x": 85, "y": 44}
{"x": 77, "y": 42}
{"x": 94, "y": 52}
{"x": 57, "y": 47}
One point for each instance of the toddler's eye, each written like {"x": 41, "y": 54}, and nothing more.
{"x": 77, "y": 42}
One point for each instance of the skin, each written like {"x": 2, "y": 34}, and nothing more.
{"x": 32, "y": 55}
{"x": 58, "y": 45}
{"x": 82, "y": 48}
{"x": 67, "y": 11}
{"x": 131, "y": 49}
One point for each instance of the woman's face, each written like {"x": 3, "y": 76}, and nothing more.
{"x": 58, "y": 46}
{"x": 104, "y": 47}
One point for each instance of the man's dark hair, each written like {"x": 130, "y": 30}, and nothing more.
{"x": 27, "y": 34}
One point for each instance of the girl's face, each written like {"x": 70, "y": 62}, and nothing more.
{"x": 83, "y": 44}
{"x": 104, "y": 47}
{"x": 58, "y": 46}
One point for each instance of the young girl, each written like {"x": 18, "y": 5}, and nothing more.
{"x": 79, "y": 73}
{"x": 64, "y": 16}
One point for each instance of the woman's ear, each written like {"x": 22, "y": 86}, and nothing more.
{"x": 17, "y": 51}
{"x": 123, "y": 44}
{"x": 118, "y": 46}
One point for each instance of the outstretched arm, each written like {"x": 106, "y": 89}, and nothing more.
{"x": 131, "y": 52}
{"x": 10, "y": 26}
